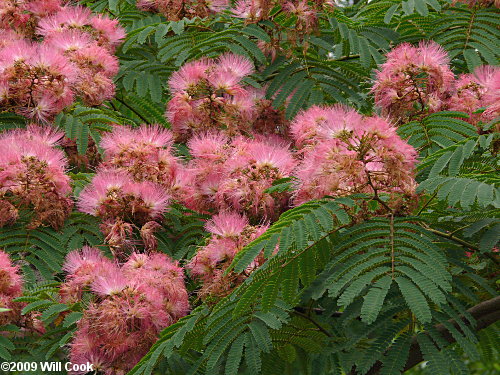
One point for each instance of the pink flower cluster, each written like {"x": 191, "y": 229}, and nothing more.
{"x": 413, "y": 81}
{"x": 124, "y": 205}
{"x": 230, "y": 232}
{"x": 23, "y": 15}
{"x": 32, "y": 177}
{"x": 139, "y": 175}
{"x": 132, "y": 303}
{"x": 210, "y": 94}
{"x": 11, "y": 286}
{"x": 134, "y": 185}
{"x": 346, "y": 153}
{"x": 175, "y": 10}
{"x": 416, "y": 81}
{"x": 146, "y": 154}
{"x": 234, "y": 174}
{"x": 477, "y": 90}
{"x": 52, "y": 54}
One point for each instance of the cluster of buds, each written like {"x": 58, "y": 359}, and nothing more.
{"x": 131, "y": 304}
{"x": 51, "y": 54}
{"x": 416, "y": 81}
{"x": 210, "y": 94}
{"x": 258, "y": 10}
{"x": 302, "y": 15}
{"x": 345, "y": 153}
{"x": 11, "y": 286}
{"x": 235, "y": 174}
{"x": 32, "y": 177}
{"x": 230, "y": 232}
{"x": 175, "y": 10}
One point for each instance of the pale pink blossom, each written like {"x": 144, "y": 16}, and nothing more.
{"x": 414, "y": 81}
{"x": 227, "y": 224}
{"x": 210, "y": 94}
{"x": 189, "y": 75}
{"x": 33, "y": 175}
{"x": 475, "y": 91}
{"x": 131, "y": 304}
{"x": 11, "y": 286}
{"x": 115, "y": 195}
{"x": 230, "y": 233}
{"x": 350, "y": 154}
{"x": 238, "y": 65}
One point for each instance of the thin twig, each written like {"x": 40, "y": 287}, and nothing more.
{"x": 471, "y": 246}
{"x": 305, "y": 316}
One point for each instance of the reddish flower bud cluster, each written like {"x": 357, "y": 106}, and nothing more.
{"x": 210, "y": 94}
{"x": 302, "y": 20}
{"x": 416, "y": 81}
{"x": 51, "y": 54}
{"x": 132, "y": 303}
{"x": 230, "y": 232}
{"x": 32, "y": 177}
{"x": 346, "y": 153}
{"x": 175, "y": 10}
{"x": 303, "y": 10}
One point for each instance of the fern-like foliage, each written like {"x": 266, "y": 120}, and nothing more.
{"x": 42, "y": 250}
{"x": 387, "y": 276}
{"x": 469, "y": 34}
{"x": 438, "y": 130}
{"x": 465, "y": 173}
{"x": 345, "y": 287}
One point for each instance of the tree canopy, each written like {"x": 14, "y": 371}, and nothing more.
{"x": 250, "y": 187}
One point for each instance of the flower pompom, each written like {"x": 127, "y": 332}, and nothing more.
{"x": 235, "y": 175}
{"x": 115, "y": 195}
{"x": 230, "y": 233}
{"x": 146, "y": 154}
{"x": 33, "y": 176}
{"x": 131, "y": 304}
{"x": 124, "y": 205}
{"x": 209, "y": 94}
{"x": 414, "y": 81}
{"x": 475, "y": 91}
{"x": 348, "y": 154}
